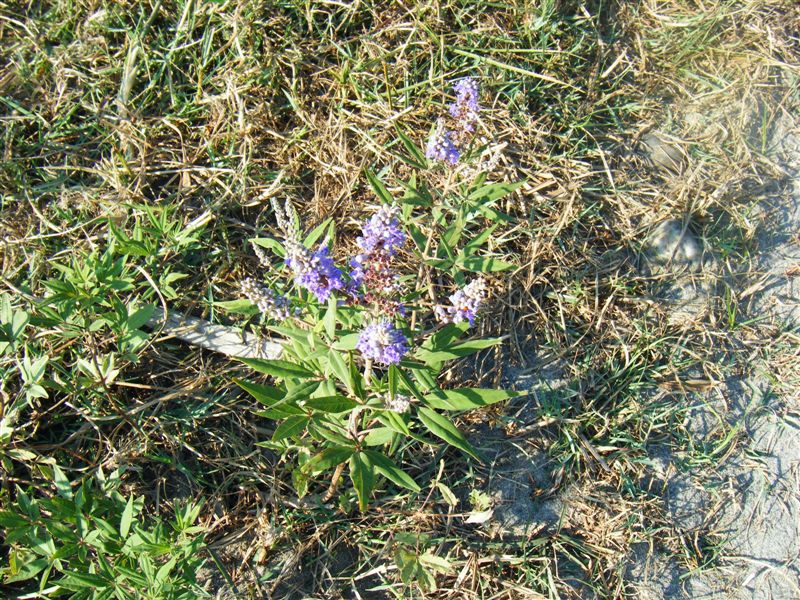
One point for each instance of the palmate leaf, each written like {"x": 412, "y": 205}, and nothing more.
{"x": 444, "y": 429}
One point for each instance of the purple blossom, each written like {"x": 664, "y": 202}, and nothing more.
{"x": 383, "y": 343}
{"x": 465, "y": 109}
{"x": 269, "y": 302}
{"x": 372, "y": 267}
{"x": 441, "y": 146}
{"x": 382, "y": 231}
{"x": 313, "y": 271}
{"x": 464, "y": 304}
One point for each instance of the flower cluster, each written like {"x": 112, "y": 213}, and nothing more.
{"x": 383, "y": 343}
{"x": 314, "y": 271}
{"x": 269, "y": 302}
{"x": 443, "y": 144}
{"x": 381, "y": 237}
{"x": 441, "y": 147}
{"x": 465, "y": 109}
{"x": 399, "y": 403}
{"x": 464, "y": 304}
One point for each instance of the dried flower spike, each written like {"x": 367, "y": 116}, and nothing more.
{"x": 269, "y": 302}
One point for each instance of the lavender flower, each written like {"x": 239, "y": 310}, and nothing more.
{"x": 313, "y": 271}
{"x": 269, "y": 302}
{"x": 464, "y": 304}
{"x": 383, "y": 343}
{"x": 372, "y": 268}
{"x": 382, "y": 231}
{"x": 441, "y": 146}
{"x": 465, "y": 109}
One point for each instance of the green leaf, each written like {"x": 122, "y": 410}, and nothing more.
{"x": 265, "y": 394}
{"x": 447, "y": 494}
{"x": 442, "y": 339}
{"x": 242, "y": 307}
{"x": 331, "y": 404}
{"x": 340, "y": 370}
{"x": 302, "y": 391}
{"x": 271, "y": 397}
{"x": 280, "y": 369}
{"x": 316, "y": 233}
{"x": 378, "y": 187}
{"x": 456, "y": 351}
{"x": 409, "y": 385}
{"x": 435, "y": 563}
{"x": 417, "y": 155}
{"x": 330, "y": 317}
{"x": 126, "y": 519}
{"x": 468, "y": 398}
{"x": 484, "y": 264}
{"x": 379, "y": 436}
{"x": 62, "y": 483}
{"x": 347, "y": 342}
{"x": 479, "y": 241}
{"x": 327, "y": 459}
{"x": 391, "y": 471}
{"x": 270, "y": 244}
{"x": 363, "y": 478}
{"x": 27, "y": 570}
{"x": 137, "y": 319}
{"x": 444, "y": 429}
{"x": 290, "y": 427}
{"x": 494, "y": 191}
{"x": 80, "y": 581}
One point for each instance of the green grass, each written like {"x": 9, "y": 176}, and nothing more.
{"x": 142, "y": 142}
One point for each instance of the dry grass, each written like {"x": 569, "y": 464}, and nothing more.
{"x": 189, "y": 107}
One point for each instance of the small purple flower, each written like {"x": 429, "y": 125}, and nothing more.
{"x": 441, "y": 146}
{"x": 372, "y": 268}
{"x": 464, "y": 304}
{"x": 269, "y": 302}
{"x": 383, "y": 343}
{"x": 382, "y": 231}
{"x": 313, "y": 271}
{"x": 465, "y": 109}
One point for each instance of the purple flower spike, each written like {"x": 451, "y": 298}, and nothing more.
{"x": 315, "y": 272}
{"x": 465, "y": 109}
{"x": 383, "y": 343}
{"x": 441, "y": 147}
{"x": 381, "y": 237}
{"x": 464, "y": 304}
{"x": 382, "y": 232}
